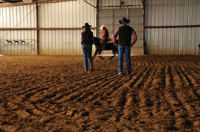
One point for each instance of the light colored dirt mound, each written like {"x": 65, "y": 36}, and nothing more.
{"x": 54, "y": 93}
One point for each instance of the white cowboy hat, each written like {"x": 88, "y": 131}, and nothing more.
{"x": 102, "y": 26}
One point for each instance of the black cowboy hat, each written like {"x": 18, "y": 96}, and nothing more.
{"x": 124, "y": 21}
{"x": 86, "y": 25}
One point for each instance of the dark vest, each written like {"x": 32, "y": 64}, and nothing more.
{"x": 125, "y": 33}
{"x": 87, "y": 37}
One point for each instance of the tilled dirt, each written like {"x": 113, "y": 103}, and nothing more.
{"x": 54, "y": 94}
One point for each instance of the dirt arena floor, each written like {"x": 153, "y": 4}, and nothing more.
{"x": 54, "y": 94}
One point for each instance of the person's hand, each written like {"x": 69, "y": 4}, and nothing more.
{"x": 117, "y": 45}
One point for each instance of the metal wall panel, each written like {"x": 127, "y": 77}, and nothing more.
{"x": 61, "y": 42}
{"x": 18, "y": 42}
{"x": 18, "y": 17}
{"x": 117, "y": 4}
{"x": 66, "y": 14}
{"x": 69, "y": 14}
{"x": 179, "y": 40}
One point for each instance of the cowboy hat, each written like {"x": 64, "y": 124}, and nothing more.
{"x": 124, "y": 21}
{"x": 102, "y": 26}
{"x": 86, "y": 25}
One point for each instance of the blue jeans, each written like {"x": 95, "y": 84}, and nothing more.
{"x": 104, "y": 41}
{"x": 121, "y": 51}
{"x": 87, "y": 53}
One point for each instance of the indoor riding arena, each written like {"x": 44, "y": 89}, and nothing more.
{"x": 43, "y": 84}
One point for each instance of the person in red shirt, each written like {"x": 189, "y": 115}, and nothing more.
{"x": 105, "y": 35}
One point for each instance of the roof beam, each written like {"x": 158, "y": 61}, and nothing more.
{"x": 12, "y": 1}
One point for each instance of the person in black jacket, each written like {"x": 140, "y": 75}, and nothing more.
{"x": 124, "y": 44}
{"x": 86, "y": 42}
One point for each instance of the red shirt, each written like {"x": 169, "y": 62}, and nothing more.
{"x": 105, "y": 32}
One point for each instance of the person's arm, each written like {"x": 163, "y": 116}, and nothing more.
{"x": 115, "y": 36}
{"x": 134, "y": 37}
{"x": 81, "y": 35}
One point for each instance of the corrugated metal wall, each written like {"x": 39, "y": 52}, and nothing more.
{"x": 119, "y": 4}
{"x": 158, "y": 13}
{"x": 69, "y": 14}
{"x": 18, "y": 17}
{"x": 178, "y": 36}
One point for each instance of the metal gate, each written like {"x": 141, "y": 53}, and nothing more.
{"x": 111, "y": 17}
